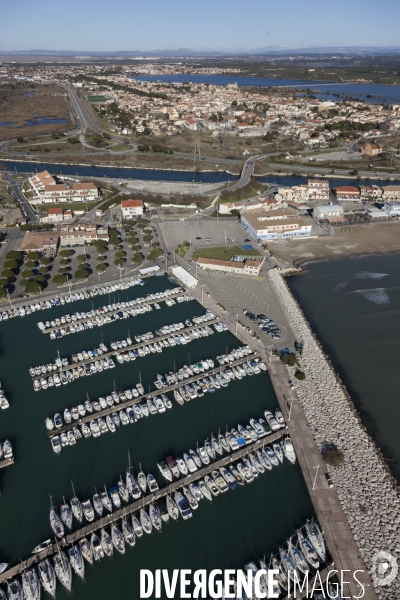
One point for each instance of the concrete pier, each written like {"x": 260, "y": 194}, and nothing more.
{"x": 132, "y": 507}
{"x": 6, "y": 462}
{"x": 127, "y": 403}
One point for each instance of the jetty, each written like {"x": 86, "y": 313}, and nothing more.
{"x": 164, "y": 390}
{"x": 132, "y": 507}
{"x": 98, "y": 313}
{"x": 6, "y": 462}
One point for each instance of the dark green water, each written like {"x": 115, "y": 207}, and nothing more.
{"x": 239, "y": 526}
{"x": 353, "y": 306}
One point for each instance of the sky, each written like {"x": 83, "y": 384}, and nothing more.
{"x": 101, "y": 25}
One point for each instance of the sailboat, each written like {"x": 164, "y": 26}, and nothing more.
{"x": 96, "y": 547}
{"x": 47, "y": 576}
{"x": 128, "y": 533}
{"x": 137, "y": 527}
{"x": 66, "y": 514}
{"x": 98, "y": 504}
{"x": 31, "y": 585}
{"x": 56, "y": 523}
{"x": 117, "y": 539}
{"x": 86, "y": 550}
{"x": 106, "y": 543}
{"x": 145, "y": 521}
{"x": 76, "y": 506}
{"x": 155, "y": 517}
{"x": 77, "y": 562}
{"x": 62, "y": 569}
{"x": 142, "y": 481}
{"x": 14, "y": 590}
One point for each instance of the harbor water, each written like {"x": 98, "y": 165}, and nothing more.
{"x": 239, "y": 526}
{"x": 353, "y": 306}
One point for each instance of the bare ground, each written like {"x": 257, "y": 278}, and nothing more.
{"x": 377, "y": 238}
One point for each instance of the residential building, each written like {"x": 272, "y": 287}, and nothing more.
{"x": 391, "y": 192}
{"x": 131, "y": 209}
{"x": 78, "y": 235}
{"x": 371, "y": 149}
{"x": 57, "y": 215}
{"x": 392, "y": 208}
{"x": 40, "y": 180}
{"x": 44, "y": 242}
{"x": 328, "y": 212}
{"x": 347, "y": 192}
{"x": 246, "y": 267}
{"x": 318, "y": 189}
{"x": 49, "y": 192}
{"x": 277, "y": 224}
{"x": 368, "y": 192}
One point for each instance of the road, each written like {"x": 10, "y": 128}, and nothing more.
{"x": 16, "y": 192}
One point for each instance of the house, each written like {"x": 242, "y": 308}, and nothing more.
{"x": 347, "y": 192}
{"x": 245, "y": 267}
{"x": 392, "y": 208}
{"x": 368, "y": 192}
{"x": 40, "y": 180}
{"x": 391, "y": 192}
{"x": 44, "y": 242}
{"x": 330, "y": 212}
{"x": 371, "y": 149}
{"x": 57, "y": 215}
{"x": 51, "y": 192}
{"x": 277, "y": 224}
{"x": 131, "y": 209}
{"x": 79, "y": 235}
{"x": 318, "y": 189}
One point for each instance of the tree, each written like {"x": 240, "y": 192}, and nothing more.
{"x": 101, "y": 245}
{"x": 354, "y": 172}
{"x": 132, "y": 240}
{"x": 64, "y": 261}
{"x": 62, "y": 270}
{"x": 3, "y": 282}
{"x": 82, "y": 257}
{"x": 120, "y": 254}
{"x": 332, "y": 456}
{"x": 43, "y": 270}
{"x": 119, "y": 261}
{"x": 136, "y": 248}
{"x": 154, "y": 254}
{"x": 300, "y": 375}
{"x": 10, "y": 264}
{"x": 101, "y": 267}
{"x": 289, "y": 359}
{"x": 20, "y": 139}
{"x": 60, "y": 279}
{"x": 33, "y": 256}
{"x": 8, "y": 274}
{"x": 81, "y": 274}
{"x": 32, "y": 287}
{"x": 65, "y": 253}
{"x": 14, "y": 255}
{"x": 30, "y": 264}
{"x": 147, "y": 238}
{"x": 137, "y": 257}
{"x": 45, "y": 260}
{"x": 40, "y": 279}
{"x": 27, "y": 274}
{"x": 3, "y": 292}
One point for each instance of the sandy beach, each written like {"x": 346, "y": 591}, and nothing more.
{"x": 377, "y": 238}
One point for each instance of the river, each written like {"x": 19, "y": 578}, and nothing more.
{"x": 378, "y": 93}
{"x": 239, "y": 526}
{"x": 353, "y": 306}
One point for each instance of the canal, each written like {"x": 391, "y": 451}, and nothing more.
{"x": 239, "y": 526}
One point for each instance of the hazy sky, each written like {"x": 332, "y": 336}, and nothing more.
{"x": 161, "y": 24}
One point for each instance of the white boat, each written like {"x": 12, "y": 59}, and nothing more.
{"x": 142, "y": 481}
{"x": 7, "y": 449}
{"x": 172, "y": 508}
{"x": 76, "y": 508}
{"x": 137, "y": 528}
{"x": 204, "y": 489}
{"x": 123, "y": 491}
{"x": 47, "y": 576}
{"x": 41, "y": 546}
{"x": 297, "y": 558}
{"x": 66, "y": 514}
{"x": 190, "y": 464}
{"x": 278, "y": 452}
{"x": 88, "y": 510}
{"x": 56, "y": 523}
{"x": 106, "y": 500}
{"x": 145, "y": 521}
{"x": 132, "y": 486}
{"x": 316, "y": 539}
{"x": 49, "y": 424}
{"x": 56, "y": 444}
{"x": 183, "y": 506}
{"x": 86, "y": 549}
{"x": 77, "y": 562}
{"x": 152, "y": 483}
{"x": 289, "y": 450}
{"x": 117, "y": 539}
{"x": 30, "y": 585}
{"x": 165, "y": 470}
{"x": 62, "y": 568}
{"x": 98, "y": 504}
{"x": 128, "y": 533}
{"x": 96, "y": 547}
{"x": 155, "y": 517}
{"x": 308, "y": 551}
{"x": 106, "y": 543}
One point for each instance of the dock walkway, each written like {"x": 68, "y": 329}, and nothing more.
{"x": 88, "y": 529}
{"x": 6, "y": 462}
{"x": 109, "y": 313}
{"x": 127, "y": 403}
{"x": 157, "y": 338}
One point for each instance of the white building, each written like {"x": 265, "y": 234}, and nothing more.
{"x": 275, "y": 225}
{"x": 131, "y": 208}
{"x": 318, "y": 189}
{"x": 327, "y": 212}
{"x": 184, "y": 277}
{"x": 48, "y": 191}
{"x": 392, "y": 208}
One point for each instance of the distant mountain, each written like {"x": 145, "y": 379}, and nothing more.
{"x": 210, "y": 52}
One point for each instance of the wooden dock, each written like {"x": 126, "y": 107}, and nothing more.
{"x": 109, "y": 313}
{"x": 112, "y": 353}
{"x": 127, "y": 403}
{"x": 6, "y": 462}
{"x": 132, "y": 507}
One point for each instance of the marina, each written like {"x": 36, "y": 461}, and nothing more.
{"x": 99, "y": 462}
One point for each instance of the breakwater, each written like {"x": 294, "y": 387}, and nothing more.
{"x": 366, "y": 490}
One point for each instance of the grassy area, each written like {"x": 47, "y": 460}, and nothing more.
{"x": 68, "y": 205}
{"x": 224, "y": 253}
{"x": 29, "y": 195}
{"x": 27, "y": 187}
{"x": 97, "y": 99}
{"x": 181, "y": 251}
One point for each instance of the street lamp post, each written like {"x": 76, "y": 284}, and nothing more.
{"x": 315, "y": 478}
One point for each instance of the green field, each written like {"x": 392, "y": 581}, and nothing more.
{"x": 224, "y": 253}
{"x": 97, "y": 99}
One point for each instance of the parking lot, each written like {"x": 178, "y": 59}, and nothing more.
{"x": 238, "y": 292}
{"x": 196, "y": 232}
